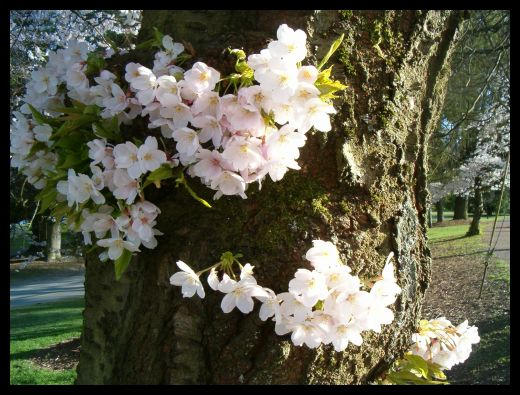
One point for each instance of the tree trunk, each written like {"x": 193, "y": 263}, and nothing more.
{"x": 488, "y": 203}
{"x": 39, "y": 227}
{"x": 440, "y": 210}
{"x": 430, "y": 217}
{"x": 461, "y": 207}
{"x": 362, "y": 186}
{"x": 474, "y": 228}
{"x": 54, "y": 242}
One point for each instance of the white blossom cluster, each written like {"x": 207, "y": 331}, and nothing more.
{"x": 24, "y": 134}
{"x": 123, "y": 169}
{"x": 228, "y": 141}
{"x": 225, "y": 140}
{"x": 64, "y": 66}
{"x": 440, "y": 342}
{"x": 119, "y": 169}
{"x": 322, "y": 306}
{"x": 486, "y": 161}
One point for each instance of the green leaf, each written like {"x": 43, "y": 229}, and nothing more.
{"x": 67, "y": 110}
{"x": 328, "y": 86}
{"x": 436, "y": 371}
{"x": 240, "y": 54}
{"x": 182, "y": 180}
{"x": 112, "y": 124}
{"x": 48, "y": 187}
{"x": 92, "y": 110}
{"x": 72, "y": 159}
{"x": 91, "y": 249}
{"x": 38, "y": 116}
{"x": 145, "y": 44}
{"x": 107, "y": 129}
{"x": 335, "y": 45}
{"x": 409, "y": 376}
{"x": 331, "y": 87}
{"x": 71, "y": 125}
{"x": 48, "y": 199}
{"x": 38, "y": 146}
{"x": 162, "y": 173}
{"x": 268, "y": 118}
{"x": 101, "y": 132}
{"x": 42, "y": 119}
{"x": 227, "y": 258}
{"x": 79, "y": 105}
{"x": 178, "y": 76}
{"x": 419, "y": 363}
{"x": 58, "y": 175}
{"x": 137, "y": 142}
{"x": 84, "y": 152}
{"x": 122, "y": 263}
{"x": 111, "y": 42}
{"x": 95, "y": 63}
{"x": 245, "y": 73}
{"x": 61, "y": 209}
{"x": 71, "y": 141}
{"x": 158, "y": 36}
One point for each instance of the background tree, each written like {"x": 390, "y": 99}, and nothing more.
{"x": 460, "y": 209}
{"x": 478, "y": 88}
{"x": 33, "y": 33}
{"x": 363, "y": 186}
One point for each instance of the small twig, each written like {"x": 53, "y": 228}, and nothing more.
{"x": 34, "y": 214}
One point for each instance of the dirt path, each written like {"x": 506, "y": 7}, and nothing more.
{"x": 503, "y": 235}
{"x": 42, "y": 283}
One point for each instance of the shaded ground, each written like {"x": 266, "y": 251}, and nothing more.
{"x": 501, "y": 238}
{"x": 61, "y": 356}
{"x": 453, "y": 293}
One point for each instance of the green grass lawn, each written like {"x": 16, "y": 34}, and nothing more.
{"x": 448, "y": 216}
{"x": 38, "y": 327}
{"x": 452, "y": 240}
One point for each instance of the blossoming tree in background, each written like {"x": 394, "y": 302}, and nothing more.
{"x": 303, "y": 150}
{"x": 484, "y": 168}
{"x": 33, "y": 35}
{"x": 473, "y": 137}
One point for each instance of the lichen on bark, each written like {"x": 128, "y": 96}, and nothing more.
{"x": 362, "y": 186}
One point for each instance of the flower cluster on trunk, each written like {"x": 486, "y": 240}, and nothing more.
{"x": 228, "y": 141}
{"x": 325, "y": 305}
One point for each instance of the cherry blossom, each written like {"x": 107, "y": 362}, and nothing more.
{"x": 239, "y": 294}
{"x": 441, "y": 342}
{"x": 116, "y": 245}
{"x": 227, "y": 141}
{"x": 188, "y": 280}
{"x": 202, "y": 77}
{"x": 150, "y": 158}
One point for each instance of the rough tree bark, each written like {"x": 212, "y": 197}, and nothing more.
{"x": 362, "y": 185}
{"x": 474, "y": 227}
{"x": 440, "y": 210}
{"x": 461, "y": 207}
